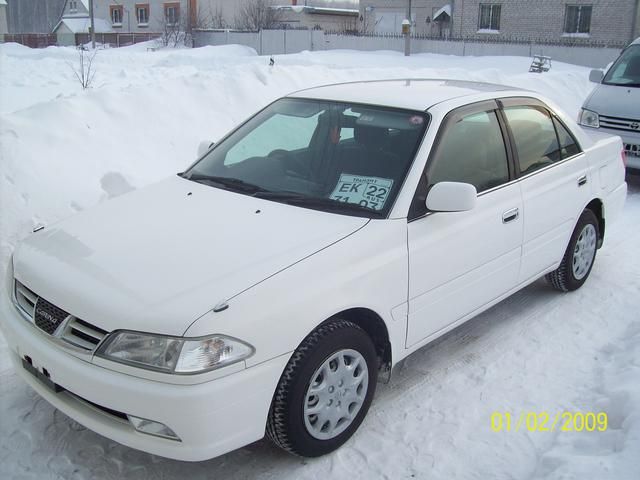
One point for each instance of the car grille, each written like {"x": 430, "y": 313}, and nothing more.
{"x": 617, "y": 123}
{"x": 632, "y": 150}
{"x": 56, "y": 322}
{"x": 48, "y": 317}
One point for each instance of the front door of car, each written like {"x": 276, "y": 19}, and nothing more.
{"x": 554, "y": 181}
{"x": 459, "y": 262}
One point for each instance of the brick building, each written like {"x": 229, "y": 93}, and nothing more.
{"x": 609, "y": 22}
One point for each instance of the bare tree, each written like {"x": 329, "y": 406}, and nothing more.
{"x": 205, "y": 18}
{"x": 348, "y": 26}
{"x": 367, "y": 21}
{"x": 84, "y": 70}
{"x": 256, "y": 15}
{"x": 218, "y": 20}
{"x": 173, "y": 31}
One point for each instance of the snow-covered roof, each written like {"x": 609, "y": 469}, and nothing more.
{"x": 82, "y": 24}
{"x": 446, "y": 9}
{"x": 318, "y": 10}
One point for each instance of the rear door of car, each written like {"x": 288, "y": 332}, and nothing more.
{"x": 460, "y": 261}
{"x": 554, "y": 176}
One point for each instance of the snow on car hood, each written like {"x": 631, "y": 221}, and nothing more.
{"x": 615, "y": 101}
{"x": 158, "y": 258}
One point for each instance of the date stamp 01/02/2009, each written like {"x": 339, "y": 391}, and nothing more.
{"x": 546, "y": 422}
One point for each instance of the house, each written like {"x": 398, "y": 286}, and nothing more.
{"x": 75, "y": 19}
{"x": 3, "y": 17}
{"x": 331, "y": 16}
{"x": 32, "y": 16}
{"x": 144, "y": 16}
{"x": 324, "y": 14}
{"x": 154, "y": 16}
{"x": 599, "y": 22}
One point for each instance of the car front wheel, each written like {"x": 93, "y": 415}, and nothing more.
{"x": 325, "y": 390}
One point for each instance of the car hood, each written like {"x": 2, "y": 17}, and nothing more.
{"x": 615, "y": 101}
{"x": 158, "y": 258}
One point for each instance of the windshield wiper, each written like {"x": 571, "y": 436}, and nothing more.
{"x": 226, "y": 182}
{"x": 323, "y": 203}
{"x": 616, "y": 84}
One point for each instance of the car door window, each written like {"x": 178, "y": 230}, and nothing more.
{"x": 471, "y": 150}
{"x": 534, "y": 136}
{"x": 568, "y": 145}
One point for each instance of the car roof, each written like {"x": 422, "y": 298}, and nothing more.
{"x": 636, "y": 41}
{"x": 410, "y": 93}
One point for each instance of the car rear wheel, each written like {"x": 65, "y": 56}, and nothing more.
{"x": 325, "y": 390}
{"x": 579, "y": 257}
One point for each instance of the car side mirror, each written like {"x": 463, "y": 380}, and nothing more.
{"x": 204, "y": 147}
{"x": 596, "y": 76}
{"x": 452, "y": 197}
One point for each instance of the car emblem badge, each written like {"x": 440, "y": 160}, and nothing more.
{"x": 47, "y": 316}
{"x": 635, "y": 126}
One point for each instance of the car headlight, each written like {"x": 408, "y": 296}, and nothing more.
{"x": 589, "y": 119}
{"x": 173, "y": 354}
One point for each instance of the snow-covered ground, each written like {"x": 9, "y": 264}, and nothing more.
{"x": 63, "y": 150}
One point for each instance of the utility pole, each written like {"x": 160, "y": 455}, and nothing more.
{"x": 406, "y": 30}
{"x": 93, "y": 25}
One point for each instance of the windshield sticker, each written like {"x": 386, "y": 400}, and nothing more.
{"x": 369, "y": 192}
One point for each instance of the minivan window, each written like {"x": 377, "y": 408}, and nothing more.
{"x": 535, "y": 137}
{"x": 338, "y": 157}
{"x": 626, "y": 70}
{"x": 472, "y": 151}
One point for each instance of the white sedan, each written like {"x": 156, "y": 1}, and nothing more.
{"x": 270, "y": 285}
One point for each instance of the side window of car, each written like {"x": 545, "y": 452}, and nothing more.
{"x": 535, "y": 137}
{"x": 472, "y": 150}
{"x": 568, "y": 144}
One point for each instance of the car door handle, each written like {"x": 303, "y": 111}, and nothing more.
{"x": 582, "y": 181}
{"x": 510, "y": 215}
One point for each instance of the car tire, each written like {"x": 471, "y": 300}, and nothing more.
{"x": 332, "y": 373}
{"x": 580, "y": 255}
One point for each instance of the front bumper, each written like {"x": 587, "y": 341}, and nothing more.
{"x": 211, "y": 418}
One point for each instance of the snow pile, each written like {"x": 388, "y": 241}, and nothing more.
{"x": 63, "y": 150}
{"x": 147, "y": 112}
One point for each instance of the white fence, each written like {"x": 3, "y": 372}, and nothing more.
{"x": 269, "y": 42}
{"x": 265, "y": 42}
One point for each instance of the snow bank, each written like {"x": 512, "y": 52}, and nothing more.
{"x": 63, "y": 150}
{"x": 147, "y": 111}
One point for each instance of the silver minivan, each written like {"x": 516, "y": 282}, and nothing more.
{"x": 614, "y": 105}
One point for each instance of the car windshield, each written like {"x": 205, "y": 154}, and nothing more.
{"x": 338, "y": 157}
{"x": 626, "y": 70}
